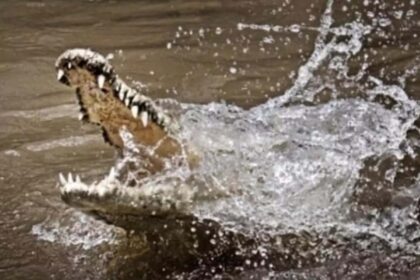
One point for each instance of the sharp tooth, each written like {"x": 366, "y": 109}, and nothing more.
{"x": 69, "y": 65}
{"x": 117, "y": 86}
{"x": 78, "y": 179}
{"x": 63, "y": 180}
{"x": 135, "y": 111}
{"x": 159, "y": 116}
{"x": 127, "y": 101}
{"x": 70, "y": 178}
{"x": 101, "y": 81}
{"x": 112, "y": 173}
{"x": 81, "y": 116}
{"x": 60, "y": 74}
{"x": 121, "y": 93}
{"x": 143, "y": 117}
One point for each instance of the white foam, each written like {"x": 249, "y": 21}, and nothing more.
{"x": 76, "y": 229}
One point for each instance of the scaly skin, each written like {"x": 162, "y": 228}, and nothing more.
{"x": 106, "y": 100}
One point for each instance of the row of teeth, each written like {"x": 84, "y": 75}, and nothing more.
{"x": 133, "y": 100}
{"x": 76, "y": 179}
{"x": 128, "y": 96}
{"x": 69, "y": 179}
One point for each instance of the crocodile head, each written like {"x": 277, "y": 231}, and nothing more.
{"x": 108, "y": 101}
{"x": 122, "y": 112}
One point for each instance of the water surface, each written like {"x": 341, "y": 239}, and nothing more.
{"x": 328, "y": 147}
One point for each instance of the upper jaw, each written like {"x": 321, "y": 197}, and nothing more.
{"x": 84, "y": 59}
{"x": 81, "y": 67}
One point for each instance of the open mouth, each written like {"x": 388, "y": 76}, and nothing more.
{"x": 88, "y": 70}
{"x": 130, "y": 122}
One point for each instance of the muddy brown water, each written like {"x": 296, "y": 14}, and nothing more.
{"x": 192, "y": 51}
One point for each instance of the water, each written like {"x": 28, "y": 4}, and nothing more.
{"x": 325, "y": 155}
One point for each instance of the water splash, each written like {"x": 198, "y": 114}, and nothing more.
{"x": 76, "y": 229}
{"x": 289, "y": 166}
{"x": 292, "y": 164}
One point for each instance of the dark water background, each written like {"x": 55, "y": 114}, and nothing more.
{"x": 193, "y": 51}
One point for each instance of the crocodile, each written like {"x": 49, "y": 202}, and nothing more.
{"x": 124, "y": 115}
{"x": 131, "y": 121}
